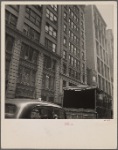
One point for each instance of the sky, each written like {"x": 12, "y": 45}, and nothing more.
{"x": 107, "y": 13}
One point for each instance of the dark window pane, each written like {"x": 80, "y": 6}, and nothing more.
{"x": 9, "y": 43}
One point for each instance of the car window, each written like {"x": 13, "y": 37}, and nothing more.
{"x": 44, "y": 112}
{"x": 41, "y": 112}
{"x": 10, "y": 110}
{"x": 35, "y": 113}
{"x": 58, "y": 113}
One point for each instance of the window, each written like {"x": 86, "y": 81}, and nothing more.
{"x": 75, "y": 17}
{"x": 10, "y": 19}
{"x": 98, "y": 65}
{"x": 47, "y": 62}
{"x": 83, "y": 68}
{"x": 82, "y": 34}
{"x": 69, "y": 33}
{"x": 83, "y": 77}
{"x": 53, "y": 47}
{"x": 54, "y": 7}
{"x": 82, "y": 16}
{"x": 11, "y": 109}
{"x": 82, "y": 25}
{"x": 33, "y": 17}
{"x": 99, "y": 81}
{"x": 72, "y": 61}
{"x": 75, "y": 51}
{"x": 9, "y": 46}
{"x": 69, "y": 59}
{"x": 69, "y": 22}
{"x": 69, "y": 10}
{"x": 75, "y": 63}
{"x": 50, "y": 45}
{"x": 77, "y": 20}
{"x": 50, "y": 30}
{"x": 82, "y": 55}
{"x": 9, "y": 43}
{"x": 72, "y": 25}
{"x": 64, "y": 68}
{"x": 75, "y": 27}
{"x": 77, "y": 75}
{"x": 107, "y": 60}
{"x": 51, "y": 16}
{"x": 64, "y": 54}
{"x": 77, "y": 10}
{"x": 75, "y": 38}
{"x": 38, "y": 7}
{"x": 29, "y": 53}
{"x": 78, "y": 52}
{"x": 16, "y": 7}
{"x": 82, "y": 45}
{"x": 65, "y": 28}
{"x": 96, "y": 32}
{"x": 65, "y": 41}
{"x": 78, "y": 63}
{"x": 101, "y": 52}
{"x": 102, "y": 68}
{"x": 72, "y": 35}
{"x": 53, "y": 64}
{"x": 65, "y": 7}
{"x": 26, "y": 76}
{"x": 58, "y": 114}
{"x": 48, "y": 82}
{"x": 69, "y": 45}
{"x": 105, "y": 71}
{"x": 97, "y": 48}
{"x": 70, "y": 72}
{"x": 31, "y": 33}
{"x": 72, "y": 48}
{"x": 77, "y": 41}
{"x": 72, "y": 14}
{"x": 104, "y": 55}
{"x": 64, "y": 83}
{"x": 65, "y": 16}
{"x": 71, "y": 84}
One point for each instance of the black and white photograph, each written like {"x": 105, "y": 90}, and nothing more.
{"x": 58, "y": 62}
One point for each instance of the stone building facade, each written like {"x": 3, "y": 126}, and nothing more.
{"x": 45, "y": 50}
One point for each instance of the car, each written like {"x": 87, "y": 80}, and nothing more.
{"x": 32, "y": 109}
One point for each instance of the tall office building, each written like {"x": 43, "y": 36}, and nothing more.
{"x": 98, "y": 66}
{"x": 72, "y": 46}
{"x": 110, "y": 47}
{"x": 45, "y": 50}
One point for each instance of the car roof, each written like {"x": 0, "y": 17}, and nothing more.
{"x": 24, "y": 101}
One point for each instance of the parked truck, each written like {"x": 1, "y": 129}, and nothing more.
{"x": 86, "y": 102}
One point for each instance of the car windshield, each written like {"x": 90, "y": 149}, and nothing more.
{"x": 10, "y": 110}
